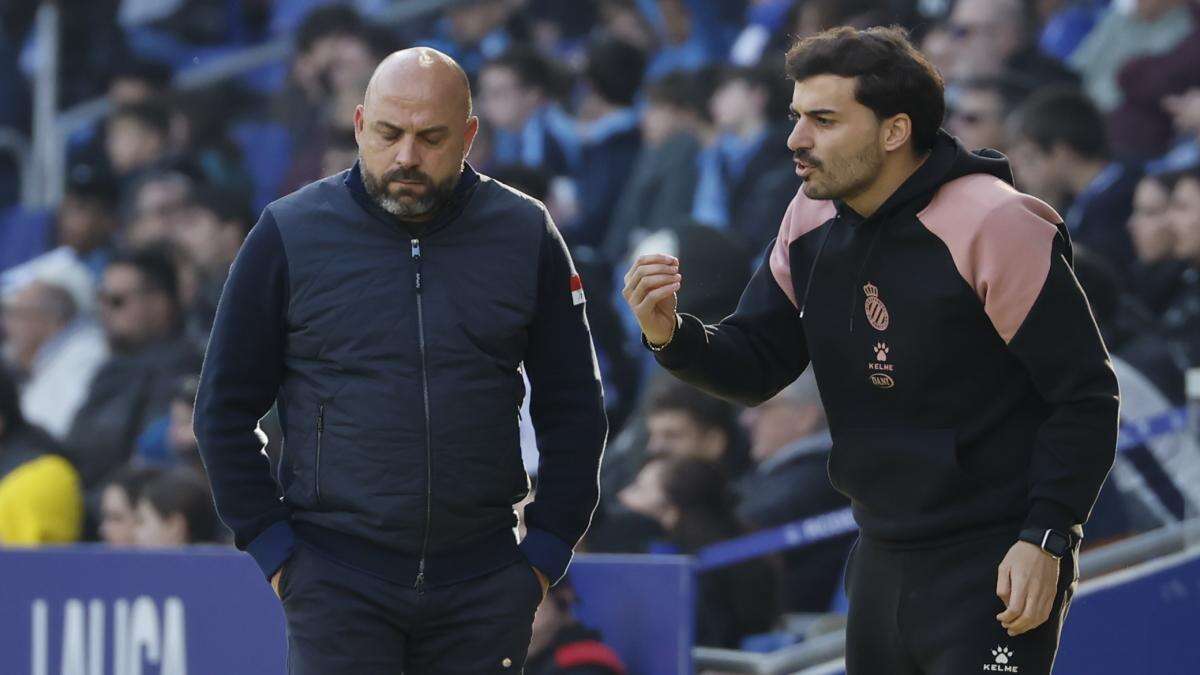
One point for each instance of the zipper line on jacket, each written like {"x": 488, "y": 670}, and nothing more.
{"x": 862, "y": 268}
{"x": 320, "y": 433}
{"x": 420, "y": 582}
{"x": 812, "y": 270}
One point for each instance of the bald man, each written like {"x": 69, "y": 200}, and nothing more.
{"x": 389, "y": 311}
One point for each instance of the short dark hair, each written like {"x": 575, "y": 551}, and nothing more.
{"x": 185, "y": 492}
{"x": 892, "y": 77}
{"x": 532, "y": 69}
{"x": 156, "y": 268}
{"x": 153, "y": 115}
{"x": 615, "y": 69}
{"x": 132, "y": 480}
{"x": 1063, "y": 114}
{"x": 681, "y": 90}
{"x": 704, "y": 410}
{"x": 228, "y": 206}
{"x": 1009, "y": 88}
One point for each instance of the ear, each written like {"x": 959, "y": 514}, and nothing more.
{"x": 896, "y": 131}
{"x": 359, "y": 123}
{"x": 469, "y": 136}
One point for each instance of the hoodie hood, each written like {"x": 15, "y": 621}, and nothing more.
{"x": 947, "y": 160}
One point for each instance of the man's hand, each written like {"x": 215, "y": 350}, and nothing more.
{"x": 275, "y": 581}
{"x": 542, "y": 580}
{"x": 1027, "y": 584}
{"x": 650, "y": 287}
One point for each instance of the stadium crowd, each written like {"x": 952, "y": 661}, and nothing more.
{"x": 644, "y": 125}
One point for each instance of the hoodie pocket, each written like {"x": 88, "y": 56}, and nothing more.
{"x": 898, "y": 472}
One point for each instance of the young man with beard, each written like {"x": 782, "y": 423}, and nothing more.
{"x": 389, "y": 311}
{"x": 971, "y": 401}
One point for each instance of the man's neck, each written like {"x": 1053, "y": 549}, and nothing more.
{"x": 890, "y": 178}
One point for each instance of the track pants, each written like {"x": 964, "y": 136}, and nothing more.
{"x": 343, "y": 621}
{"x": 932, "y": 611}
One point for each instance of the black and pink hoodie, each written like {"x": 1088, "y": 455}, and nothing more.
{"x": 964, "y": 378}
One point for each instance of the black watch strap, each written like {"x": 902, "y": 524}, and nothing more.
{"x": 1056, "y": 543}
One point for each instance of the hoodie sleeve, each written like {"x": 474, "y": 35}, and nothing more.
{"x": 751, "y": 355}
{"x": 242, "y": 372}
{"x": 567, "y": 406}
{"x": 1019, "y": 264}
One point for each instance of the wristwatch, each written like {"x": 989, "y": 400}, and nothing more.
{"x": 1053, "y": 542}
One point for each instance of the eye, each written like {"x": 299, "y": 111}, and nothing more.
{"x": 824, "y": 122}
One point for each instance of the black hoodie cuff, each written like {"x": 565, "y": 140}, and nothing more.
{"x": 684, "y": 345}
{"x": 1050, "y": 515}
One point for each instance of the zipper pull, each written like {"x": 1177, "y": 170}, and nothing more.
{"x": 420, "y": 584}
{"x": 416, "y": 256}
{"x": 321, "y": 418}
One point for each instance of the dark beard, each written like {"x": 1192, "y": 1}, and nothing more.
{"x": 846, "y": 178}
{"x": 436, "y": 195}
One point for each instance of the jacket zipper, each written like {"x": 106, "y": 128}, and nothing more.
{"x": 419, "y": 585}
{"x": 320, "y": 433}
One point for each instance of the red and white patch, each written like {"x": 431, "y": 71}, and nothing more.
{"x": 577, "y": 297}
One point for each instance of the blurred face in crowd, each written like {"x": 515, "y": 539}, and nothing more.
{"x": 132, "y": 144}
{"x": 977, "y": 119}
{"x": 1185, "y": 218}
{"x": 133, "y": 314}
{"x": 646, "y": 496}
{"x": 505, "y": 102}
{"x": 984, "y": 34}
{"x": 126, "y": 90}
{"x": 118, "y": 519}
{"x": 838, "y": 144}
{"x": 737, "y": 104}
{"x": 155, "y": 530}
{"x": 208, "y": 242}
{"x": 84, "y": 224}
{"x": 414, "y": 130}
{"x": 180, "y": 437}
{"x": 1150, "y": 224}
{"x": 157, "y": 205}
{"x": 676, "y": 433}
{"x": 29, "y": 318}
{"x": 1034, "y": 170}
{"x": 778, "y": 423}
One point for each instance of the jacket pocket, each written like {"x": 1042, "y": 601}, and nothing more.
{"x": 898, "y": 472}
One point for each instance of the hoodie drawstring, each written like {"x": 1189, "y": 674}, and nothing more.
{"x": 812, "y": 270}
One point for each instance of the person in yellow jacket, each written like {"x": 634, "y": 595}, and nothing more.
{"x": 41, "y": 497}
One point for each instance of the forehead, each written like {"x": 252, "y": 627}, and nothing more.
{"x": 825, "y": 92}
{"x": 980, "y": 97}
{"x": 123, "y": 275}
{"x": 420, "y": 99}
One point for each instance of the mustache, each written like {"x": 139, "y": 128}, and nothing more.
{"x": 806, "y": 157}
{"x": 407, "y": 174}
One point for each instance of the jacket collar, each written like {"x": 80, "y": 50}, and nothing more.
{"x": 463, "y": 190}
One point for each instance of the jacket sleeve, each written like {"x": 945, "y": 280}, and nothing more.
{"x": 567, "y": 406}
{"x": 1033, "y": 299}
{"x": 749, "y": 356}
{"x": 242, "y": 372}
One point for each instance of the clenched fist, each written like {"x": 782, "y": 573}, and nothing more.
{"x": 650, "y": 287}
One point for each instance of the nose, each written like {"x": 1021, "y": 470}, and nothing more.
{"x": 407, "y": 155}
{"x": 800, "y": 138}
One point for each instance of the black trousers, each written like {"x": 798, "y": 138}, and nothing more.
{"x": 343, "y": 621}
{"x": 932, "y": 611}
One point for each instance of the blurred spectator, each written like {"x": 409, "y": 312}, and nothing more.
{"x": 516, "y": 98}
{"x": 609, "y": 136}
{"x": 976, "y": 110}
{"x": 624, "y": 20}
{"x": 684, "y": 422}
{"x": 1156, "y": 273}
{"x": 746, "y": 175}
{"x": 137, "y": 81}
{"x": 175, "y": 509}
{"x": 1182, "y": 316}
{"x": 169, "y": 440}
{"x": 694, "y": 33}
{"x": 790, "y": 446}
{"x": 992, "y": 37}
{"x": 137, "y": 137}
{"x": 690, "y": 499}
{"x": 54, "y": 351}
{"x": 200, "y": 137}
{"x": 152, "y": 204}
{"x": 477, "y": 30}
{"x": 118, "y": 505}
{"x": 718, "y": 263}
{"x": 1152, "y": 27}
{"x": 662, "y": 187}
{"x": 1060, "y": 154}
{"x": 341, "y": 151}
{"x": 141, "y": 317}
{"x": 1142, "y": 125}
{"x": 561, "y": 645}
{"x": 208, "y": 231}
{"x": 40, "y": 498}
{"x": 1160, "y": 479}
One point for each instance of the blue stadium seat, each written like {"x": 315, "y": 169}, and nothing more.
{"x": 24, "y": 234}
